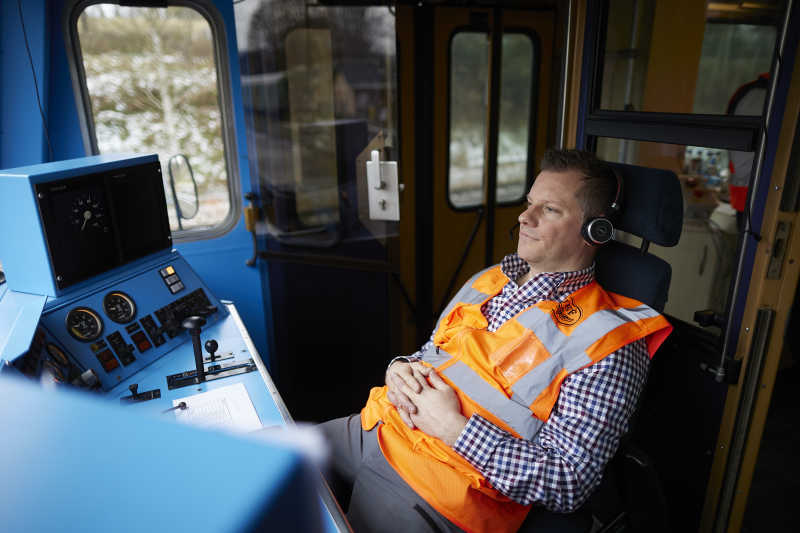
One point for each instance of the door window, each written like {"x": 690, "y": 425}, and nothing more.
{"x": 319, "y": 85}
{"x": 469, "y": 86}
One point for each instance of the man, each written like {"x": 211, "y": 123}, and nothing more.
{"x": 521, "y": 395}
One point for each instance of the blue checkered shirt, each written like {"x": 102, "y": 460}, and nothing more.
{"x": 560, "y": 467}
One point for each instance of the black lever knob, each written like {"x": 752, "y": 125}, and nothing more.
{"x": 207, "y": 310}
{"x": 193, "y": 322}
{"x": 134, "y": 388}
{"x": 211, "y": 347}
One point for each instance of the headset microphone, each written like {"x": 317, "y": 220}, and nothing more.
{"x": 511, "y": 231}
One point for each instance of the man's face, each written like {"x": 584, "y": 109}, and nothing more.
{"x": 550, "y": 228}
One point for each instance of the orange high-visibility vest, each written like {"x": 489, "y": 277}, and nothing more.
{"x": 510, "y": 377}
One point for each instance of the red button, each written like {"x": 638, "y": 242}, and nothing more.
{"x": 145, "y": 345}
{"x": 108, "y": 360}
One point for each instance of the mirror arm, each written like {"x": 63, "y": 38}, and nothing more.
{"x": 174, "y": 195}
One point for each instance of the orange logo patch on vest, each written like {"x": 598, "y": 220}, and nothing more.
{"x": 567, "y": 313}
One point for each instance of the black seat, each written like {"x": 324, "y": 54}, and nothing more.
{"x": 630, "y": 497}
{"x": 652, "y": 210}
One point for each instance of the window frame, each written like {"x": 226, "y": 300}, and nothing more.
{"x": 658, "y": 127}
{"x": 532, "y": 115}
{"x": 734, "y": 132}
{"x": 211, "y": 14}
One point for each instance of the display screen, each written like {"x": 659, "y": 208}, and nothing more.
{"x": 137, "y": 198}
{"x": 96, "y": 222}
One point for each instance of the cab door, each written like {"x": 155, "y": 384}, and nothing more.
{"x": 648, "y": 99}
{"x": 490, "y": 124}
{"x": 319, "y": 83}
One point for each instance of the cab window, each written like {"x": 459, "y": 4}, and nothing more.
{"x": 151, "y": 79}
{"x": 683, "y": 56}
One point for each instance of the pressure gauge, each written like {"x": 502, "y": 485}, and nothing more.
{"x": 89, "y": 213}
{"x": 119, "y": 307}
{"x": 57, "y": 353}
{"x": 84, "y": 324}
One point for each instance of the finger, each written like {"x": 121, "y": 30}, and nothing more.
{"x": 420, "y": 379}
{"x": 423, "y": 369}
{"x": 407, "y": 404}
{"x": 409, "y": 393}
{"x": 391, "y": 397}
{"x": 395, "y": 368}
{"x": 406, "y": 418}
{"x": 437, "y": 381}
{"x": 401, "y": 401}
{"x": 408, "y": 380}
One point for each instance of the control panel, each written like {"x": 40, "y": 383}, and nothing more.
{"x": 78, "y": 219}
{"x": 96, "y": 299}
{"x": 117, "y": 330}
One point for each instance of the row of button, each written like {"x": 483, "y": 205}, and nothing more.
{"x": 171, "y": 279}
{"x": 122, "y": 349}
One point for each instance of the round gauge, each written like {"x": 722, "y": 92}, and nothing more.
{"x": 84, "y": 324}
{"x": 119, "y": 307}
{"x": 57, "y": 353}
{"x": 89, "y": 213}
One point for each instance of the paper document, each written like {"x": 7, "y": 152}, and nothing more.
{"x": 227, "y": 409}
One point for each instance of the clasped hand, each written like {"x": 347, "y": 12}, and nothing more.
{"x": 424, "y": 401}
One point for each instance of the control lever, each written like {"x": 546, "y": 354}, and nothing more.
{"x": 211, "y": 348}
{"x": 137, "y": 396}
{"x": 208, "y": 311}
{"x": 193, "y": 324}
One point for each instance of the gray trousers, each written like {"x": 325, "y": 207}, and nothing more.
{"x": 380, "y": 500}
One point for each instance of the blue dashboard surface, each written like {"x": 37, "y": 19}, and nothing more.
{"x": 72, "y": 462}
{"x": 146, "y": 299}
{"x": 19, "y": 317}
{"x": 229, "y": 334}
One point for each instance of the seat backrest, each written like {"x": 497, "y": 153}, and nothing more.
{"x": 652, "y": 209}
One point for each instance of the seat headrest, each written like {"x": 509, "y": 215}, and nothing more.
{"x": 623, "y": 269}
{"x": 652, "y": 204}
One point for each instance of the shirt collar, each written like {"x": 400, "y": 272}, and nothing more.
{"x": 561, "y": 283}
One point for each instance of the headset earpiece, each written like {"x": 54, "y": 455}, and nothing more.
{"x": 599, "y": 230}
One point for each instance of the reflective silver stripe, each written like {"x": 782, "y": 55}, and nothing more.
{"x": 465, "y": 294}
{"x": 568, "y": 352}
{"x": 516, "y": 415}
{"x": 433, "y": 358}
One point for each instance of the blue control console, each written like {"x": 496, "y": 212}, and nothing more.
{"x": 96, "y": 298}
{"x": 75, "y": 220}
{"x": 120, "y": 327}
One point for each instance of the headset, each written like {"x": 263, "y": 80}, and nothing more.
{"x": 599, "y": 230}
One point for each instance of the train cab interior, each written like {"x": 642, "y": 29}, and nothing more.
{"x": 247, "y": 208}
